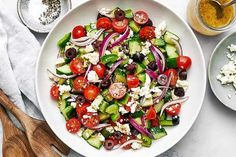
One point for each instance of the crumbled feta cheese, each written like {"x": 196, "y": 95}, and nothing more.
{"x": 157, "y": 91}
{"x": 232, "y": 48}
{"x": 92, "y": 57}
{"x": 60, "y": 60}
{"x": 73, "y": 104}
{"x": 122, "y": 110}
{"x": 229, "y": 96}
{"x": 91, "y": 109}
{"x": 133, "y": 107}
{"x": 93, "y": 25}
{"x": 139, "y": 136}
{"x": 228, "y": 73}
{"x": 106, "y": 12}
{"x": 95, "y": 104}
{"x": 230, "y": 56}
{"x": 135, "y": 93}
{"x": 80, "y": 132}
{"x": 121, "y": 54}
{"x": 130, "y": 61}
{"x": 101, "y": 137}
{"x": 107, "y": 52}
{"x": 89, "y": 48}
{"x": 110, "y": 129}
{"x": 145, "y": 48}
{"x": 160, "y": 29}
{"x": 148, "y": 80}
{"x": 86, "y": 116}
{"x": 182, "y": 83}
{"x": 123, "y": 128}
{"x": 136, "y": 146}
{"x": 131, "y": 34}
{"x": 64, "y": 88}
{"x": 93, "y": 77}
{"x": 144, "y": 91}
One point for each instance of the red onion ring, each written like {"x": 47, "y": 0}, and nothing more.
{"x": 105, "y": 43}
{"x": 152, "y": 74}
{"x": 139, "y": 128}
{"x": 121, "y": 38}
{"x": 127, "y": 143}
{"x": 61, "y": 76}
{"x": 113, "y": 68}
{"x": 157, "y": 52}
{"x": 89, "y": 68}
{"x": 100, "y": 126}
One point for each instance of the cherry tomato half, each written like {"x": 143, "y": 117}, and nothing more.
{"x": 73, "y": 125}
{"x": 147, "y": 33}
{"x": 54, "y": 92}
{"x": 117, "y": 90}
{"x": 76, "y": 66}
{"x": 184, "y": 62}
{"x": 91, "y": 92}
{"x": 173, "y": 110}
{"x": 104, "y": 23}
{"x": 141, "y": 17}
{"x": 80, "y": 83}
{"x": 100, "y": 69}
{"x": 174, "y": 76}
{"x": 120, "y": 26}
{"x": 151, "y": 113}
{"x": 90, "y": 119}
{"x": 155, "y": 122}
{"x": 78, "y": 32}
{"x": 132, "y": 81}
{"x": 124, "y": 138}
{"x": 82, "y": 109}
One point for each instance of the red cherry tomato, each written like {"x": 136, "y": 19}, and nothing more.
{"x": 120, "y": 26}
{"x": 141, "y": 17}
{"x": 173, "y": 110}
{"x": 147, "y": 33}
{"x": 100, "y": 69}
{"x": 151, "y": 113}
{"x": 90, "y": 119}
{"x": 78, "y": 32}
{"x": 73, "y": 125}
{"x": 174, "y": 76}
{"x": 184, "y": 62}
{"x": 104, "y": 23}
{"x": 80, "y": 83}
{"x": 91, "y": 92}
{"x": 155, "y": 122}
{"x": 76, "y": 66}
{"x": 132, "y": 81}
{"x": 54, "y": 92}
{"x": 117, "y": 90}
{"x": 124, "y": 138}
{"x": 82, "y": 109}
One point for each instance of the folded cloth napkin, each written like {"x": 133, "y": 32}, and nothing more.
{"x": 18, "y": 53}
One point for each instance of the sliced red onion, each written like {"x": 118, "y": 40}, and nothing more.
{"x": 121, "y": 38}
{"x": 105, "y": 43}
{"x": 82, "y": 39}
{"x": 156, "y": 100}
{"x": 152, "y": 74}
{"x": 157, "y": 52}
{"x": 61, "y": 76}
{"x": 126, "y": 143}
{"x": 139, "y": 128}
{"x": 162, "y": 79}
{"x": 100, "y": 126}
{"x": 113, "y": 68}
{"x": 88, "y": 70}
{"x": 178, "y": 46}
{"x": 180, "y": 100}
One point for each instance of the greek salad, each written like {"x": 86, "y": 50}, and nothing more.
{"x": 120, "y": 81}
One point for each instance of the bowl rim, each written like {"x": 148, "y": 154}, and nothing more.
{"x": 201, "y": 99}
{"x": 210, "y": 67}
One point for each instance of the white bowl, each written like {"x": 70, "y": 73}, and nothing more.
{"x": 87, "y": 13}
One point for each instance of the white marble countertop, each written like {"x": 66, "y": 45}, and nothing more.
{"x": 214, "y": 132}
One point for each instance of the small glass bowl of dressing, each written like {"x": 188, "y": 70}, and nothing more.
{"x": 202, "y": 17}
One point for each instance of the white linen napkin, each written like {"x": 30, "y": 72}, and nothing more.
{"x": 18, "y": 53}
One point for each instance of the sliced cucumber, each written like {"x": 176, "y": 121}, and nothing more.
{"x": 129, "y": 14}
{"x": 87, "y": 133}
{"x": 169, "y": 36}
{"x": 159, "y": 105}
{"x": 62, "y": 104}
{"x": 171, "y": 62}
{"x": 134, "y": 26}
{"x": 139, "y": 122}
{"x": 147, "y": 102}
{"x": 103, "y": 106}
{"x": 166, "y": 123}
{"x": 68, "y": 112}
{"x": 137, "y": 114}
{"x": 105, "y": 133}
{"x": 158, "y": 132}
{"x": 65, "y": 96}
{"x": 105, "y": 93}
{"x": 87, "y": 28}
{"x": 125, "y": 99}
{"x": 115, "y": 117}
{"x": 158, "y": 42}
{"x": 140, "y": 67}
{"x": 112, "y": 109}
{"x": 147, "y": 142}
{"x": 142, "y": 77}
{"x": 120, "y": 76}
{"x": 65, "y": 69}
{"x": 62, "y": 42}
{"x": 95, "y": 141}
{"x": 150, "y": 57}
{"x": 171, "y": 51}
{"x": 134, "y": 47}
{"x": 163, "y": 116}
{"x": 103, "y": 116}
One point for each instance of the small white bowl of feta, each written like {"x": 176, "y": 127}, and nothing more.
{"x": 222, "y": 71}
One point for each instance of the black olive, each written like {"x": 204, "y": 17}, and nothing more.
{"x": 148, "y": 23}
{"x": 131, "y": 68}
{"x": 117, "y": 135}
{"x": 183, "y": 75}
{"x": 70, "y": 53}
{"x": 109, "y": 144}
{"x": 97, "y": 44}
{"x": 152, "y": 65}
{"x": 119, "y": 14}
{"x": 138, "y": 57}
{"x": 105, "y": 84}
{"x": 80, "y": 99}
{"x": 175, "y": 120}
{"x": 179, "y": 91}
{"x": 100, "y": 15}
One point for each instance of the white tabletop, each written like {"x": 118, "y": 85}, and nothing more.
{"x": 214, "y": 132}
